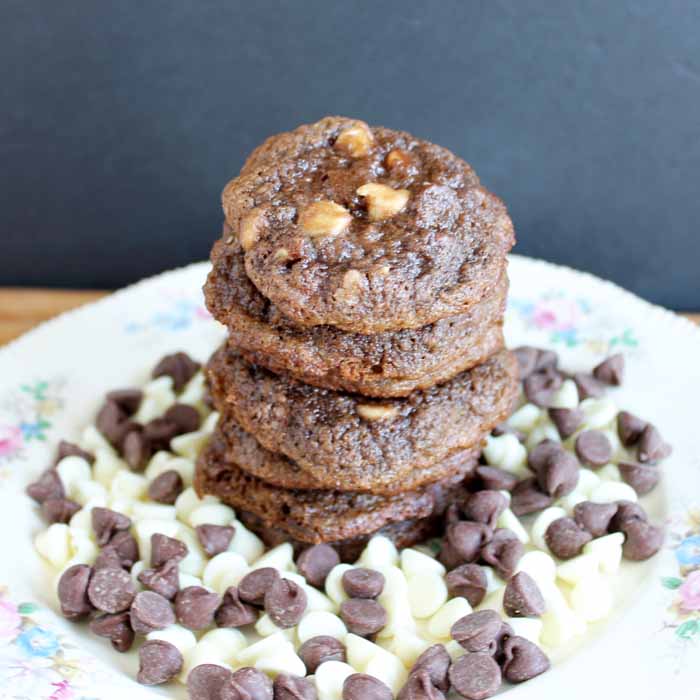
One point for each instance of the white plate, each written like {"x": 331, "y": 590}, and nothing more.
{"x": 52, "y": 380}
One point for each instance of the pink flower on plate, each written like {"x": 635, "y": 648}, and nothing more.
{"x": 690, "y": 592}
{"x": 10, "y": 440}
{"x": 556, "y": 314}
{"x": 10, "y": 621}
{"x": 63, "y": 691}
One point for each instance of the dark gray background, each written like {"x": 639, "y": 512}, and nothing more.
{"x": 120, "y": 122}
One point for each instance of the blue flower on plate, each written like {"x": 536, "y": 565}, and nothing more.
{"x": 688, "y": 551}
{"x": 38, "y": 641}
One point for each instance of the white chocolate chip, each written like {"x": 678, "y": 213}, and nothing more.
{"x": 441, "y": 622}
{"x": 395, "y": 600}
{"x": 188, "y": 500}
{"x": 319, "y": 622}
{"x": 525, "y": 418}
{"x": 251, "y": 227}
{"x": 158, "y": 397}
{"x": 577, "y": 568}
{"x": 506, "y": 452}
{"x": 329, "y": 679}
{"x": 591, "y": 598}
{"x": 280, "y": 557}
{"x": 283, "y": 660}
{"x": 383, "y": 201}
{"x": 427, "y": 593}
{"x": 211, "y": 514}
{"x": 127, "y": 485}
{"x": 54, "y": 544}
{"x": 144, "y": 529}
{"x": 73, "y": 471}
{"x": 334, "y": 583}
{"x": 607, "y": 551}
{"x": 180, "y": 637}
{"x": 509, "y": 520}
{"x": 598, "y": 413}
{"x": 106, "y": 466}
{"x": 324, "y": 219}
{"x": 224, "y": 570}
{"x": 415, "y": 562}
{"x": 189, "y": 444}
{"x": 566, "y": 396}
{"x": 89, "y": 491}
{"x": 611, "y": 491}
{"x": 540, "y": 565}
{"x": 380, "y": 552}
{"x": 356, "y": 141}
{"x": 528, "y": 627}
{"x": 265, "y": 627}
{"x": 245, "y": 542}
{"x": 153, "y": 511}
{"x": 408, "y": 647}
{"x": 388, "y": 669}
{"x": 376, "y": 411}
{"x": 265, "y": 647}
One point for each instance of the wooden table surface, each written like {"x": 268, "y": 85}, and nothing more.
{"x": 22, "y": 309}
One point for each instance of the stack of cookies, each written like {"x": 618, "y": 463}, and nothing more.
{"x": 361, "y": 275}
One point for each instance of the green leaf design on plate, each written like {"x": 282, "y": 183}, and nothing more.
{"x": 671, "y": 582}
{"x": 688, "y": 629}
{"x": 27, "y": 608}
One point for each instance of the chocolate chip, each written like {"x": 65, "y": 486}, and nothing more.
{"x": 184, "y": 417}
{"x": 128, "y": 400}
{"x": 150, "y": 612}
{"x": 360, "y": 686}
{"x": 195, "y": 607}
{"x": 559, "y": 475}
{"x": 107, "y": 522}
{"x": 206, "y": 681}
{"x": 317, "y": 650}
{"x": 435, "y": 661}
{"x": 566, "y": 420}
{"x": 315, "y": 563}
{"x": 496, "y": 479}
{"x": 419, "y": 687}
{"x": 111, "y": 590}
{"x": 641, "y": 477}
{"x": 485, "y": 507}
{"x": 541, "y": 453}
{"x": 158, "y": 433}
{"x": 588, "y": 386}
{"x": 72, "y": 591}
{"x": 642, "y": 540}
{"x": 136, "y": 450}
{"x": 126, "y": 547}
{"x": 531, "y": 359}
{"x": 180, "y": 367}
{"x": 363, "y": 583}
{"x": 523, "y": 660}
{"x": 593, "y": 448}
{"x": 477, "y": 631}
{"x": 468, "y": 581}
{"x": 233, "y": 612}
{"x": 59, "y": 510}
{"x": 652, "y": 448}
{"x": 116, "y": 628}
{"x": 288, "y": 687}
{"x": 108, "y": 558}
{"x": 629, "y": 428}
{"x": 253, "y": 586}
{"x": 503, "y": 552}
{"x": 540, "y": 386}
{"x": 522, "y": 597}
{"x": 166, "y": 487}
{"x": 594, "y": 517}
{"x": 248, "y": 684}
{"x": 215, "y": 538}
{"x": 285, "y": 603}
{"x": 475, "y": 676}
{"x": 165, "y": 580}
{"x": 164, "y": 549}
{"x": 113, "y": 423}
{"x": 527, "y": 497}
{"x": 363, "y": 616}
{"x": 626, "y": 511}
{"x": 565, "y": 538}
{"x": 48, "y": 485}
{"x": 70, "y": 449}
{"x": 611, "y": 370}
{"x": 463, "y": 542}
{"x": 159, "y": 662}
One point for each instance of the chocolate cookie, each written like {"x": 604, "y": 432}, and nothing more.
{"x": 276, "y": 469}
{"x": 316, "y": 516}
{"x": 366, "y": 229}
{"x": 363, "y": 443}
{"x": 391, "y": 363}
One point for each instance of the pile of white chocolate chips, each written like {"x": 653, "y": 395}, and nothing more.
{"x": 525, "y": 564}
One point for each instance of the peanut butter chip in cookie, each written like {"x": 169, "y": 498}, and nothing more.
{"x": 324, "y": 219}
{"x": 383, "y": 201}
{"x": 375, "y": 412}
{"x": 355, "y": 141}
{"x": 251, "y": 228}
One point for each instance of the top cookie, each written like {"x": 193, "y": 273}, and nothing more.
{"x": 366, "y": 229}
